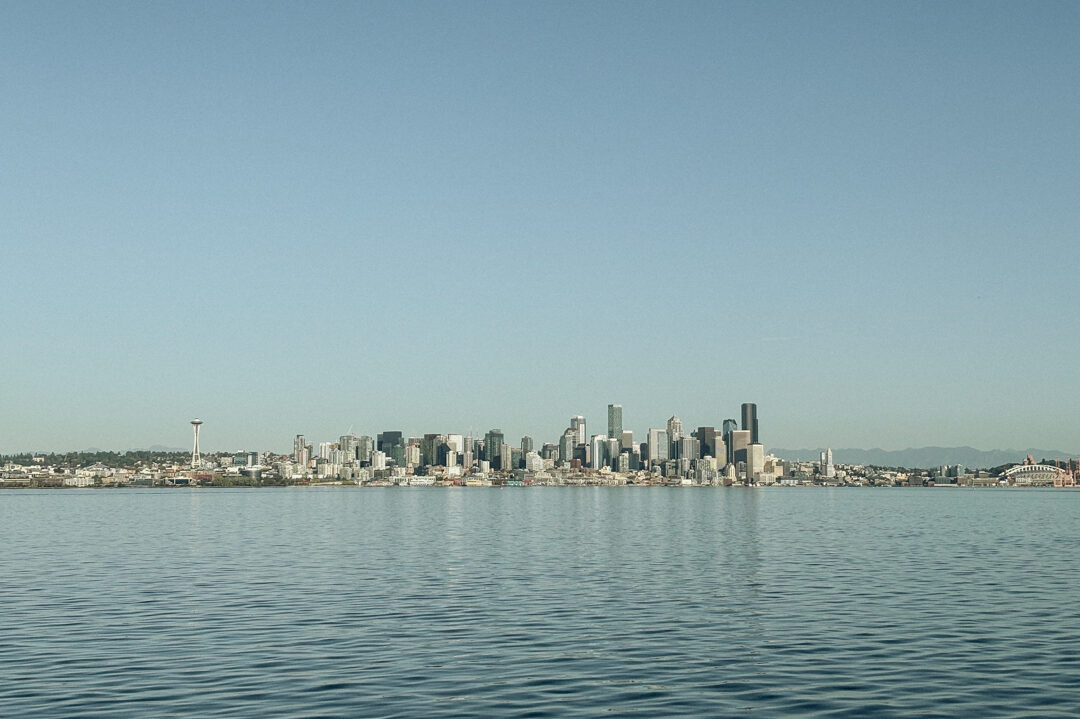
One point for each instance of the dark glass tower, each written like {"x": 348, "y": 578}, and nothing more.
{"x": 749, "y": 421}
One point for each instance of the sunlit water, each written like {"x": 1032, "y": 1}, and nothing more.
{"x": 539, "y": 602}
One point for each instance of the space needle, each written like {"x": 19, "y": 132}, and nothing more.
{"x": 195, "y": 459}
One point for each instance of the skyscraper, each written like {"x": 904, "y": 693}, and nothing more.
{"x": 657, "y": 445}
{"x": 614, "y": 421}
{"x": 577, "y": 423}
{"x": 567, "y": 443}
{"x": 674, "y": 428}
{"x": 599, "y": 449}
{"x": 493, "y": 442}
{"x": 755, "y": 462}
{"x": 749, "y": 421}
{"x": 674, "y": 433}
{"x": 740, "y": 440}
{"x": 729, "y": 426}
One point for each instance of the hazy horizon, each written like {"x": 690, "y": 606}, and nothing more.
{"x": 296, "y": 218}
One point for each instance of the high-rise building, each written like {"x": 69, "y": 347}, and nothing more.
{"x": 710, "y": 440}
{"x": 599, "y": 449}
{"x": 567, "y": 444}
{"x": 300, "y": 455}
{"x": 577, "y": 423}
{"x": 729, "y": 426}
{"x": 627, "y": 439}
{"x": 505, "y": 457}
{"x": 612, "y": 452}
{"x": 365, "y": 446}
{"x": 828, "y": 469}
{"x": 614, "y": 421}
{"x": 749, "y": 421}
{"x": 755, "y": 462}
{"x": 493, "y": 442}
{"x": 348, "y": 444}
{"x": 674, "y": 428}
{"x": 740, "y": 440}
{"x": 658, "y": 445}
{"x": 526, "y": 444}
{"x": 388, "y": 440}
{"x": 689, "y": 448}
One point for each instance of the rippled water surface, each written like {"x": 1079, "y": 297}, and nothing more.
{"x": 539, "y": 602}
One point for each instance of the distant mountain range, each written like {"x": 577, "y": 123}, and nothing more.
{"x": 924, "y": 457}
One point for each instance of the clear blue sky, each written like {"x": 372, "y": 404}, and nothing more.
{"x": 436, "y": 217}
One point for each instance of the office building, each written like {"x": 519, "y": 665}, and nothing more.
{"x": 493, "y": 442}
{"x": 614, "y": 421}
{"x": 750, "y": 422}
{"x": 577, "y": 423}
{"x": 598, "y": 450}
{"x": 657, "y": 445}
{"x": 729, "y": 426}
{"x": 755, "y": 462}
{"x": 740, "y": 440}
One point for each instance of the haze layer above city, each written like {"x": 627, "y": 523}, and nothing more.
{"x": 311, "y": 218}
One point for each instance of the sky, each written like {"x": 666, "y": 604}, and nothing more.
{"x": 290, "y": 218}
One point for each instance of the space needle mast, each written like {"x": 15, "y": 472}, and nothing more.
{"x": 196, "y": 461}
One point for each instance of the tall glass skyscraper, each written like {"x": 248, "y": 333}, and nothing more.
{"x": 614, "y": 421}
{"x": 749, "y": 421}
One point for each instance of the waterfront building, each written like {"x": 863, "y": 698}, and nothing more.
{"x": 614, "y": 421}
{"x": 750, "y": 421}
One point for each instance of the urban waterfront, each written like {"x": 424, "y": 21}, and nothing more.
{"x": 451, "y": 602}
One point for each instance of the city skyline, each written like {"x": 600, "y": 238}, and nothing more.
{"x": 287, "y": 217}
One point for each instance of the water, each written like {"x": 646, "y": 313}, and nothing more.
{"x": 539, "y": 602}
